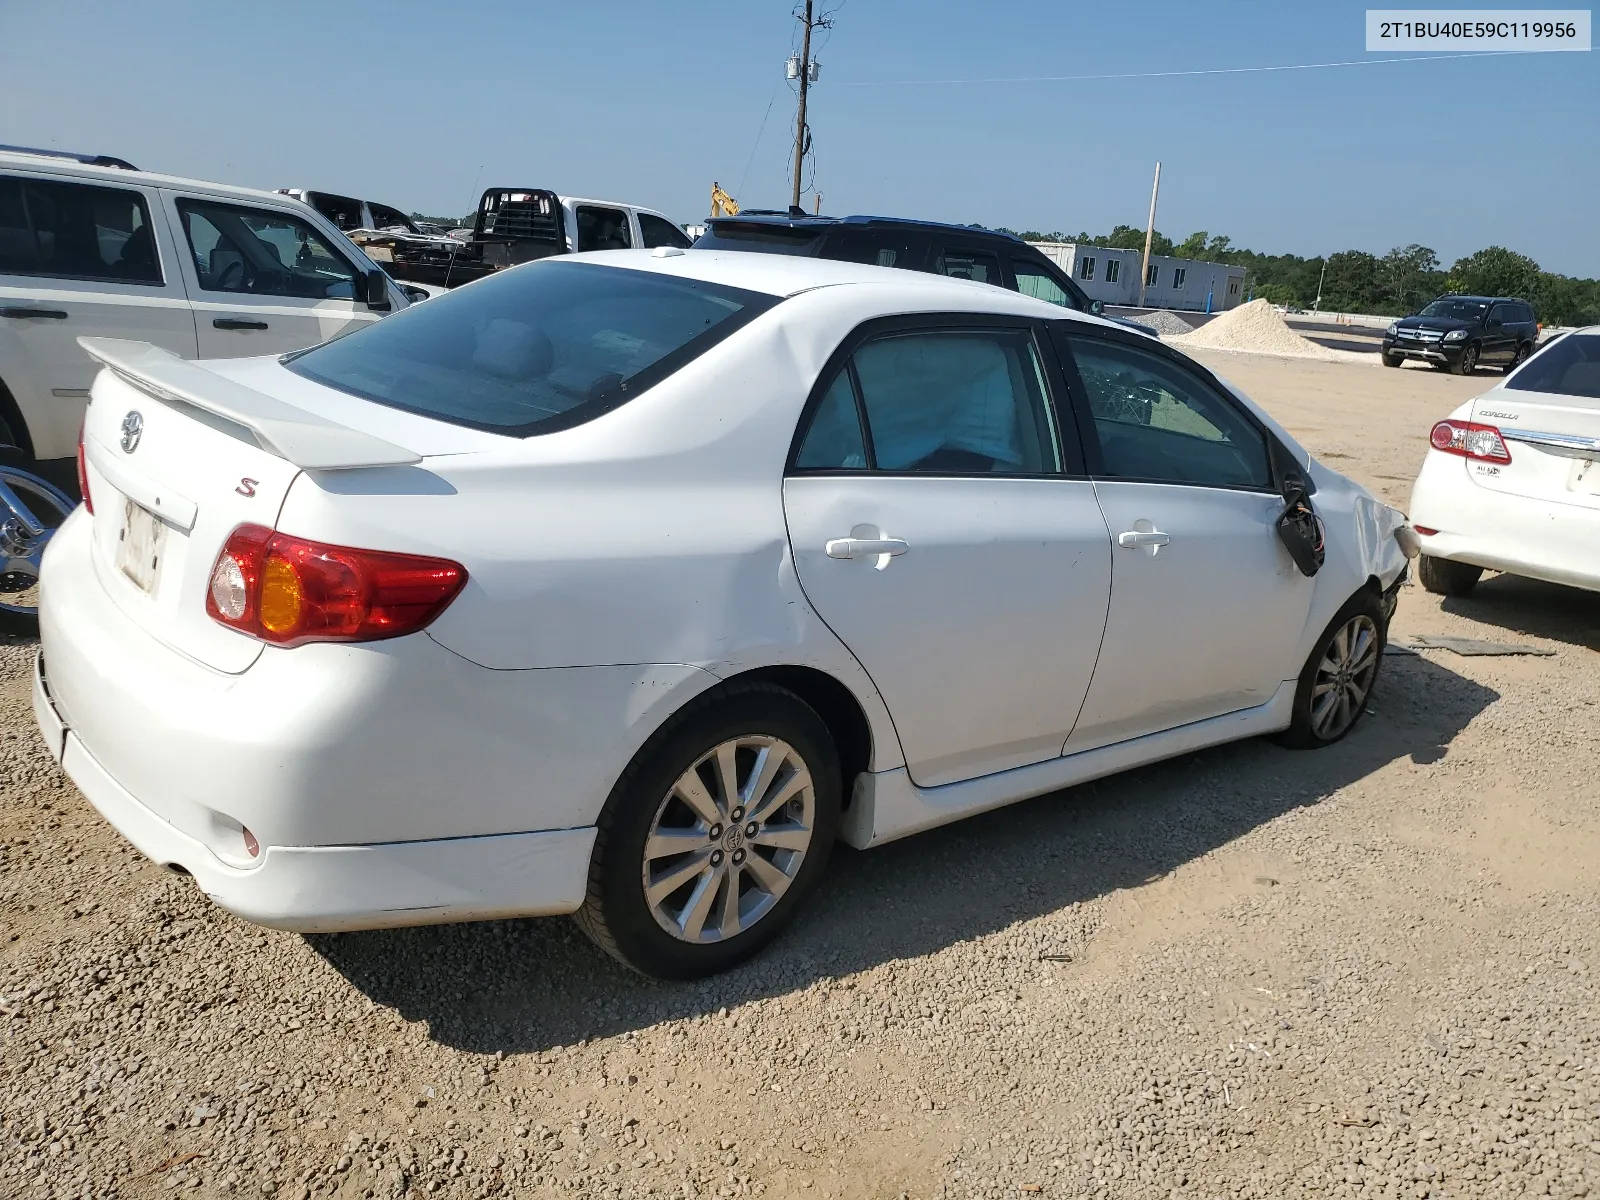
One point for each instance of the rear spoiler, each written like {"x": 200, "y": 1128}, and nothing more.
{"x": 309, "y": 441}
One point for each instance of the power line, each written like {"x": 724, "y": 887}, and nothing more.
{"x": 1357, "y": 62}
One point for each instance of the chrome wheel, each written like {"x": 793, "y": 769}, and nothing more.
{"x": 1344, "y": 677}
{"x": 30, "y": 511}
{"x": 728, "y": 838}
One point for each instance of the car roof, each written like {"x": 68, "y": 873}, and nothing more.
{"x": 1482, "y": 299}
{"x": 52, "y": 164}
{"x": 788, "y": 275}
{"x": 819, "y": 222}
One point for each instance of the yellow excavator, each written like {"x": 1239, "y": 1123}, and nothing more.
{"x": 722, "y": 204}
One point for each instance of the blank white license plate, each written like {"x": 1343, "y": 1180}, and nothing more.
{"x": 1584, "y": 476}
{"x": 140, "y": 544}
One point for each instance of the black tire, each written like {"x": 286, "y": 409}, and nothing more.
{"x": 1520, "y": 357}
{"x": 1393, "y": 360}
{"x": 1444, "y": 577}
{"x": 1304, "y": 732}
{"x": 1468, "y": 362}
{"x": 19, "y": 592}
{"x": 616, "y": 913}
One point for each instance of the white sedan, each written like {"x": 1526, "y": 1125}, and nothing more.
{"x": 1512, "y": 479}
{"x": 624, "y": 584}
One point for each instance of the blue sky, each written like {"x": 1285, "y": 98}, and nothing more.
{"x": 427, "y": 104}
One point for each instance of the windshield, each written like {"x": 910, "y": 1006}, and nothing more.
{"x": 1457, "y": 310}
{"x": 535, "y": 349}
{"x": 1567, "y": 367}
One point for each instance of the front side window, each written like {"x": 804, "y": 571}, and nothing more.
{"x": 1033, "y": 281}
{"x": 658, "y": 231}
{"x": 76, "y": 231}
{"x": 1568, "y": 367}
{"x": 544, "y": 347}
{"x": 969, "y": 264}
{"x": 258, "y": 252}
{"x": 1113, "y": 269}
{"x": 1086, "y": 268}
{"x": 1179, "y": 274}
{"x": 1158, "y": 422}
{"x": 941, "y": 402}
{"x": 602, "y": 228}
{"x": 384, "y": 217}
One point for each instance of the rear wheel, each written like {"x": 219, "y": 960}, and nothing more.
{"x": 1443, "y": 577}
{"x": 1338, "y": 678}
{"x": 1520, "y": 357}
{"x": 715, "y": 834}
{"x": 1393, "y": 360}
{"x": 31, "y": 510}
{"x": 1468, "y": 362}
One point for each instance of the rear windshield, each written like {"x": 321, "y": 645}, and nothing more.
{"x": 1568, "y": 367}
{"x": 532, "y": 350}
{"x": 766, "y": 239}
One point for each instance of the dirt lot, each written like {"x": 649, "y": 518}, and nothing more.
{"x": 1363, "y": 972}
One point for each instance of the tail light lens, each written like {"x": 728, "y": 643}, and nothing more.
{"x": 83, "y": 475}
{"x": 1470, "y": 440}
{"x": 289, "y": 591}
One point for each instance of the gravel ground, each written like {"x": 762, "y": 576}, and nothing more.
{"x": 1368, "y": 971}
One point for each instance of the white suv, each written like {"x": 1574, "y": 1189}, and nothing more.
{"x": 91, "y": 248}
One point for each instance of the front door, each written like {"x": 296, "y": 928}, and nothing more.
{"x": 1207, "y": 609}
{"x": 263, "y": 281}
{"x": 937, "y": 535}
{"x": 79, "y": 260}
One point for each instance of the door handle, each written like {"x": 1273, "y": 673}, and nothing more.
{"x": 1132, "y": 539}
{"x": 235, "y": 323}
{"x": 33, "y": 314}
{"x": 864, "y": 547}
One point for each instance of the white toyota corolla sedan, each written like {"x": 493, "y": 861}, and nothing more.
{"x": 623, "y": 584}
{"x": 1512, "y": 481}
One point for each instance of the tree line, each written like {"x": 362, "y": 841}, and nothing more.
{"x": 1399, "y": 282}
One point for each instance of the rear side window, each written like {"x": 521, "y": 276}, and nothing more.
{"x": 1568, "y": 367}
{"x": 76, "y": 231}
{"x": 978, "y": 265}
{"x": 540, "y": 348}
{"x": 658, "y": 231}
{"x": 940, "y": 402}
{"x": 343, "y": 211}
{"x": 259, "y": 252}
{"x": 384, "y": 217}
{"x": 602, "y": 228}
{"x": 878, "y": 248}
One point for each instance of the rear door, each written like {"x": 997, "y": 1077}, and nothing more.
{"x": 601, "y": 227}
{"x": 79, "y": 259}
{"x": 263, "y": 280}
{"x": 946, "y": 546}
{"x": 1548, "y": 412}
{"x": 1500, "y": 334}
{"x": 1206, "y": 608}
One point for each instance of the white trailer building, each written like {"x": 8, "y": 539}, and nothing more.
{"x": 1112, "y": 277}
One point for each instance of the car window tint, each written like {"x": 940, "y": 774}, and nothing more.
{"x": 76, "y": 231}
{"x": 343, "y": 211}
{"x": 956, "y": 402}
{"x": 1157, "y": 421}
{"x": 834, "y": 441}
{"x": 1567, "y": 367}
{"x": 602, "y": 228}
{"x": 1032, "y": 280}
{"x": 969, "y": 264}
{"x": 658, "y": 231}
{"x": 876, "y": 248}
{"x": 258, "y": 252}
{"x": 544, "y": 347}
{"x": 384, "y": 217}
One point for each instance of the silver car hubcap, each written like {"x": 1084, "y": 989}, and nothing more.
{"x": 728, "y": 839}
{"x": 1344, "y": 677}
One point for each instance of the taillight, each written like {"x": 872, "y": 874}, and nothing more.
{"x": 288, "y": 591}
{"x": 83, "y": 476}
{"x": 1470, "y": 440}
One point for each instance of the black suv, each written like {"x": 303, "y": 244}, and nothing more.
{"x": 960, "y": 251}
{"x": 1462, "y": 333}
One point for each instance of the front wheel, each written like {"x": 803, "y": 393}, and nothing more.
{"x": 1468, "y": 363}
{"x": 1393, "y": 360}
{"x": 1338, "y": 678}
{"x": 715, "y": 834}
{"x": 1444, "y": 577}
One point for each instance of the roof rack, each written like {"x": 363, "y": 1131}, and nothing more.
{"x": 88, "y": 160}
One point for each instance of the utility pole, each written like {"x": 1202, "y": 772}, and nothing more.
{"x": 1317, "y": 305}
{"x": 1149, "y": 233}
{"x": 806, "y": 75}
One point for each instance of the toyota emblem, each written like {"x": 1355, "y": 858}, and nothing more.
{"x": 132, "y": 430}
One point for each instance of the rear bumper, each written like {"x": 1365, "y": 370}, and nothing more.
{"x": 1520, "y": 535}
{"x": 320, "y": 889}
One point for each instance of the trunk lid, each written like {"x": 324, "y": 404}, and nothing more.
{"x": 1553, "y": 440}
{"x": 178, "y": 456}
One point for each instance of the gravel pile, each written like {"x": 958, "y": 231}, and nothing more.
{"x": 1167, "y": 324}
{"x": 1362, "y": 972}
{"x": 1258, "y": 328}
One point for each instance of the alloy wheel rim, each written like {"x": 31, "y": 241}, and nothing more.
{"x": 1344, "y": 677}
{"x": 1468, "y": 361}
{"x": 728, "y": 839}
